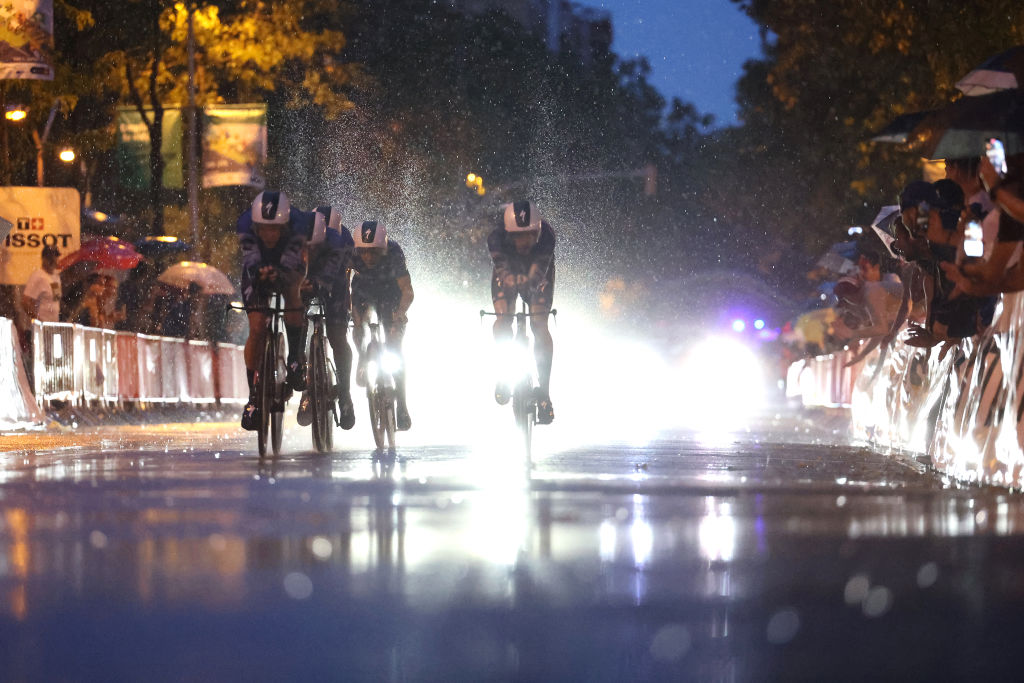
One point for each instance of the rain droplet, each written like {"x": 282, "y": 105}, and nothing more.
{"x": 322, "y": 547}
{"x": 980, "y": 517}
{"x": 298, "y": 586}
{"x": 856, "y": 589}
{"x": 927, "y": 575}
{"x": 840, "y": 501}
{"x": 782, "y": 627}
{"x": 670, "y": 643}
{"x": 98, "y": 539}
{"x": 878, "y": 601}
{"x": 305, "y": 497}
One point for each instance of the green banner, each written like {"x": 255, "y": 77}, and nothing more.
{"x": 133, "y": 148}
{"x": 234, "y": 145}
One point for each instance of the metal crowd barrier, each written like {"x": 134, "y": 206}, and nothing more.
{"x": 92, "y": 366}
{"x": 964, "y": 411}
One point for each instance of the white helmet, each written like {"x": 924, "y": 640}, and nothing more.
{"x": 521, "y": 217}
{"x": 371, "y": 235}
{"x": 319, "y": 228}
{"x": 324, "y": 217}
{"x": 332, "y": 215}
{"x": 271, "y": 208}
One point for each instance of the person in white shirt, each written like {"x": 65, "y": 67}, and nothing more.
{"x": 42, "y": 293}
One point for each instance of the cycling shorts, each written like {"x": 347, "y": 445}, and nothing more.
{"x": 383, "y": 296}
{"x": 541, "y": 298}
{"x": 256, "y": 294}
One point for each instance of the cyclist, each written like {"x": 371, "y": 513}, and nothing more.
{"x": 523, "y": 252}
{"x": 329, "y": 255}
{"x": 382, "y": 280}
{"x": 270, "y": 235}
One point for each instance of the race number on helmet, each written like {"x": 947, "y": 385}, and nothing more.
{"x": 522, "y": 217}
{"x": 371, "y": 234}
{"x": 270, "y": 208}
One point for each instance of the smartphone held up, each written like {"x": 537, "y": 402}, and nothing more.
{"x": 996, "y": 153}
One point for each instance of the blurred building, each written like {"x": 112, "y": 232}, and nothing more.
{"x": 566, "y": 27}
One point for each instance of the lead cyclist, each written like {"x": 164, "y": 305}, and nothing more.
{"x": 523, "y": 251}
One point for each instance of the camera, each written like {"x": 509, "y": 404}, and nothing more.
{"x": 996, "y": 154}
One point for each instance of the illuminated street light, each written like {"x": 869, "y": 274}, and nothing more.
{"x": 15, "y": 113}
{"x": 67, "y": 155}
{"x": 471, "y": 180}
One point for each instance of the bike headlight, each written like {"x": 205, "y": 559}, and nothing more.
{"x": 390, "y": 362}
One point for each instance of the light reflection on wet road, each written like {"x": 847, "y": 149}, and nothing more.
{"x": 150, "y": 555}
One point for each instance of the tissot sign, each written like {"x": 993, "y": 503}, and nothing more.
{"x": 40, "y": 216}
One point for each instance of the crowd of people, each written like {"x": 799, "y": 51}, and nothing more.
{"x": 140, "y": 303}
{"x": 933, "y": 269}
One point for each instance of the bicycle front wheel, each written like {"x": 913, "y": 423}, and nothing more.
{"x": 265, "y": 395}
{"x": 320, "y": 399}
{"x": 375, "y": 404}
{"x": 276, "y": 418}
{"x": 389, "y": 421}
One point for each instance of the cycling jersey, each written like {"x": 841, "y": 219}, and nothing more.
{"x": 379, "y": 285}
{"x": 530, "y": 275}
{"x": 286, "y": 255}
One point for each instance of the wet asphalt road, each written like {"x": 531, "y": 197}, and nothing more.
{"x": 173, "y": 553}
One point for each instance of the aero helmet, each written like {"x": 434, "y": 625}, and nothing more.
{"x": 270, "y": 208}
{"x": 332, "y": 215}
{"x": 521, "y": 217}
{"x": 371, "y": 235}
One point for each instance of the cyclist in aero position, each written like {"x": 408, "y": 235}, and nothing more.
{"x": 270, "y": 236}
{"x": 523, "y": 252}
{"x": 328, "y": 257}
{"x": 381, "y": 280}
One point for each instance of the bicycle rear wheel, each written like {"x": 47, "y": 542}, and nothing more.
{"x": 525, "y": 408}
{"x": 265, "y": 395}
{"x": 323, "y": 422}
{"x": 276, "y": 418}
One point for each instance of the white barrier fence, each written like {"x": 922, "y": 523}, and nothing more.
{"x": 964, "y": 410}
{"x": 87, "y": 365}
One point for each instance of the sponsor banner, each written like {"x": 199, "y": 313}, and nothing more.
{"x": 26, "y": 39}
{"x": 40, "y": 216}
{"x": 234, "y": 145}
{"x": 133, "y": 148}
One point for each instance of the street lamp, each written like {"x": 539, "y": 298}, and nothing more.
{"x": 15, "y": 113}
{"x": 67, "y": 155}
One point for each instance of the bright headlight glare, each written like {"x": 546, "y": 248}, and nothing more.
{"x": 372, "y": 371}
{"x": 390, "y": 362}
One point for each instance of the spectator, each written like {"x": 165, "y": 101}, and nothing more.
{"x": 868, "y": 304}
{"x": 134, "y": 297}
{"x": 89, "y": 311}
{"x": 997, "y": 271}
{"x": 113, "y": 313}
{"x": 42, "y": 294}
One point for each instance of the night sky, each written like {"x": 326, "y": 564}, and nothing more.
{"x": 696, "y": 47}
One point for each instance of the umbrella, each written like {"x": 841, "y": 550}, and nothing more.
{"x": 882, "y": 225}
{"x": 161, "y": 245}
{"x": 1005, "y": 71}
{"x": 209, "y": 279}
{"x": 960, "y": 129}
{"x": 105, "y": 252}
{"x": 899, "y": 128}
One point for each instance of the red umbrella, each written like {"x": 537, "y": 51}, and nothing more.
{"x": 105, "y": 252}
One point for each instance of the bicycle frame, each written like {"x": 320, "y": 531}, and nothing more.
{"x": 381, "y": 395}
{"x": 269, "y": 376}
{"x": 524, "y": 382}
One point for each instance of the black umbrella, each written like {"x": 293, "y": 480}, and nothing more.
{"x": 899, "y": 128}
{"x": 1005, "y": 71}
{"x": 960, "y": 129}
{"x": 160, "y": 245}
